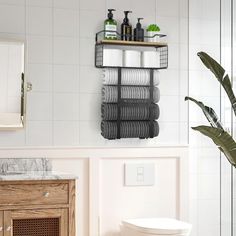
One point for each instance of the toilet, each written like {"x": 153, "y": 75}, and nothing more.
{"x": 155, "y": 227}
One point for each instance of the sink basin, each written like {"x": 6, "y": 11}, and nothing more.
{"x": 12, "y": 173}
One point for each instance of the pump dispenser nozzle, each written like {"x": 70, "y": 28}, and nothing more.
{"x": 138, "y": 25}
{"x": 110, "y": 14}
{"x": 126, "y": 20}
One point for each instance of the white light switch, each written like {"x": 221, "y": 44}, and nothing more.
{"x": 139, "y": 174}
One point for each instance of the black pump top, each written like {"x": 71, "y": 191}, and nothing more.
{"x": 110, "y": 14}
{"x": 138, "y": 25}
{"x": 126, "y": 20}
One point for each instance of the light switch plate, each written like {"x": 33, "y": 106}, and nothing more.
{"x": 139, "y": 174}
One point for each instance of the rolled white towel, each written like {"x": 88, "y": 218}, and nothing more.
{"x": 130, "y": 77}
{"x": 110, "y": 93}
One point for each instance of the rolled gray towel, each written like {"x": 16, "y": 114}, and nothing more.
{"x": 130, "y": 77}
{"x": 130, "y": 111}
{"x": 110, "y": 93}
{"x": 128, "y": 129}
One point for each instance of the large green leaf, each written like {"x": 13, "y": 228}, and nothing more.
{"x": 219, "y": 72}
{"x": 212, "y": 65}
{"x": 208, "y": 112}
{"x": 228, "y": 89}
{"x": 222, "y": 139}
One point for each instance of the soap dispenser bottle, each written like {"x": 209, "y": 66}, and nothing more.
{"x": 110, "y": 25}
{"x": 126, "y": 28}
{"x": 139, "y": 32}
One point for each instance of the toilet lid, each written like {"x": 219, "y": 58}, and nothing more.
{"x": 158, "y": 226}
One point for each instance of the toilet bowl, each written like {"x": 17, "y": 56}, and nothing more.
{"x": 155, "y": 227}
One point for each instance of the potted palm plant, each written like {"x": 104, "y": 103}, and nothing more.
{"x": 215, "y": 131}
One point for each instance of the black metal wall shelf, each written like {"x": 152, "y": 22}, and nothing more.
{"x": 101, "y": 44}
{"x": 163, "y": 50}
{"x": 161, "y": 47}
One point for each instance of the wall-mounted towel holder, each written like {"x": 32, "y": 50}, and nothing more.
{"x": 136, "y": 102}
{"x": 118, "y": 126}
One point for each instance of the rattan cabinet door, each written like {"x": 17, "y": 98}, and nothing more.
{"x": 1, "y": 223}
{"x": 45, "y": 222}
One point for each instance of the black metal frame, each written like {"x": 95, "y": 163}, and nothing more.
{"x": 121, "y": 102}
{"x": 163, "y": 49}
{"x": 99, "y": 46}
{"x": 22, "y": 94}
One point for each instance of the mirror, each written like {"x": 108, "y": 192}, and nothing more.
{"x": 12, "y": 85}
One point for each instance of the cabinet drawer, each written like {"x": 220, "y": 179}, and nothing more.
{"x": 30, "y": 194}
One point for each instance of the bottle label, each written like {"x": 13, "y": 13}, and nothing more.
{"x": 109, "y": 34}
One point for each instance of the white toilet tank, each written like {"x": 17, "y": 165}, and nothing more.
{"x": 155, "y": 227}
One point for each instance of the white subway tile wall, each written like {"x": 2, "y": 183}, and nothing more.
{"x": 63, "y": 109}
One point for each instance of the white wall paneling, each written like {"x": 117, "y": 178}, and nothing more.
{"x": 103, "y": 200}
{"x": 117, "y": 202}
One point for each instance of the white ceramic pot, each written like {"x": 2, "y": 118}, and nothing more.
{"x": 151, "y": 34}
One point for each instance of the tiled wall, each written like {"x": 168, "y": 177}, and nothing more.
{"x": 204, "y": 35}
{"x": 64, "y": 107}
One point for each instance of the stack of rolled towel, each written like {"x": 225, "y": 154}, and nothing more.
{"x": 136, "y": 113}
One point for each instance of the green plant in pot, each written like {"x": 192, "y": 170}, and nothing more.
{"x": 216, "y": 131}
{"x": 153, "y": 30}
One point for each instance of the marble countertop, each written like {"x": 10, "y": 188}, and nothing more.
{"x": 36, "y": 175}
{"x": 13, "y": 169}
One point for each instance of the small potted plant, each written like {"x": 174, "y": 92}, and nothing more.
{"x": 152, "y": 31}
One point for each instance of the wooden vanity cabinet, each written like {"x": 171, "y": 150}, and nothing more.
{"x": 36, "y": 222}
{"x": 37, "y": 208}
